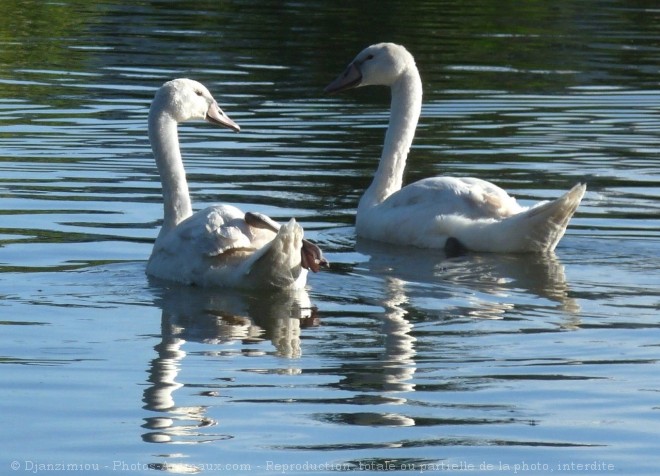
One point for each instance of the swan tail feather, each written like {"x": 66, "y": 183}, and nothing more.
{"x": 311, "y": 255}
{"x": 278, "y": 264}
{"x": 537, "y": 229}
{"x": 541, "y": 227}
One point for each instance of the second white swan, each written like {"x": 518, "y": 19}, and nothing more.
{"x": 220, "y": 245}
{"x": 440, "y": 212}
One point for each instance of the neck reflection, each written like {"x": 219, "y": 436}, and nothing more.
{"x": 220, "y": 319}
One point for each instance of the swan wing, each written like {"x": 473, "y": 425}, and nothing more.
{"x": 216, "y": 237}
{"x": 468, "y": 197}
{"x": 478, "y": 214}
{"x": 217, "y": 230}
{"x": 427, "y": 212}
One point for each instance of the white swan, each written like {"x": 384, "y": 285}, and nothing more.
{"x": 220, "y": 245}
{"x": 440, "y": 212}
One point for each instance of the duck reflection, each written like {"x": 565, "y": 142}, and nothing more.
{"x": 214, "y": 317}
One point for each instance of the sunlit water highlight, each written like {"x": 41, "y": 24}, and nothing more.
{"x": 399, "y": 357}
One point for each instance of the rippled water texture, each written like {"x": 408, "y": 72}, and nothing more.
{"x": 396, "y": 360}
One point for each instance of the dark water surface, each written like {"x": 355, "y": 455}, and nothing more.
{"x": 396, "y": 360}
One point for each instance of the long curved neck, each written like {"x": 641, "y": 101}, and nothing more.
{"x": 165, "y": 145}
{"x": 404, "y": 113}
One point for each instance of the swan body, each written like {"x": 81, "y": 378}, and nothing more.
{"x": 219, "y": 245}
{"x": 438, "y": 211}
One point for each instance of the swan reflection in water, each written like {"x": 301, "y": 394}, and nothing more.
{"x": 413, "y": 281}
{"x": 433, "y": 274}
{"x": 191, "y": 314}
{"x": 393, "y": 374}
{"x": 410, "y": 283}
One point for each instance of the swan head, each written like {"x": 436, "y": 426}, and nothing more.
{"x": 185, "y": 99}
{"x": 381, "y": 64}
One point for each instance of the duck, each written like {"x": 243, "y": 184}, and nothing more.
{"x": 444, "y": 212}
{"x": 219, "y": 246}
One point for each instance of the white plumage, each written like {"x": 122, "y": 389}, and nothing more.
{"x": 433, "y": 212}
{"x": 220, "y": 245}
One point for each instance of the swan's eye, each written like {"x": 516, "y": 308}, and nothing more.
{"x": 370, "y": 57}
{"x": 199, "y": 93}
